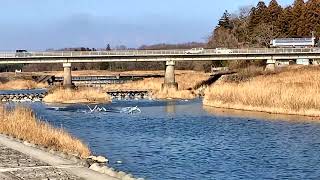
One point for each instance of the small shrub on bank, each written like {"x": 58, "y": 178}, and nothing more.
{"x": 21, "y": 123}
{"x": 245, "y": 74}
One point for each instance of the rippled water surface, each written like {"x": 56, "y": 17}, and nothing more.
{"x": 181, "y": 140}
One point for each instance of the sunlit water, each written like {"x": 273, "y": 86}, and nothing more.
{"x": 180, "y": 140}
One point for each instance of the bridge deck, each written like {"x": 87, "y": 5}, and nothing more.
{"x": 157, "y": 52}
{"x": 158, "y": 55}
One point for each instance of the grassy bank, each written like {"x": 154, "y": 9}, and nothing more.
{"x": 294, "y": 91}
{"x": 21, "y": 84}
{"x": 21, "y": 123}
{"x": 83, "y": 95}
{"x": 186, "y": 80}
{"x": 174, "y": 94}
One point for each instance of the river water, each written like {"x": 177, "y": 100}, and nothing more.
{"x": 182, "y": 140}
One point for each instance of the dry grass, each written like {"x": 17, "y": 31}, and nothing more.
{"x": 150, "y": 84}
{"x": 21, "y": 123}
{"x": 185, "y": 79}
{"x": 21, "y": 84}
{"x": 295, "y": 91}
{"x": 83, "y": 95}
{"x": 173, "y": 94}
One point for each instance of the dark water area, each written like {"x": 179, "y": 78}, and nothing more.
{"x": 182, "y": 140}
{"x": 29, "y": 91}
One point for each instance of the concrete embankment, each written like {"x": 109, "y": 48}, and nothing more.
{"x": 21, "y": 161}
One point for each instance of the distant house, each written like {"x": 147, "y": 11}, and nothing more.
{"x": 293, "y": 42}
{"x": 303, "y": 62}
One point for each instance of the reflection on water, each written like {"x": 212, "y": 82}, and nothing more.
{"x": 170, "y": 107}
{"x": 257, "y": 115}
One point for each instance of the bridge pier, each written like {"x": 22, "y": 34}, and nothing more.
{"x": 67, "y": 77}
{"x": 169, "y": 78}
{"x": 271, "y": 65}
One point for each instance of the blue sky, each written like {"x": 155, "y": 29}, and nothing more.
{"x": 42, "y": 24}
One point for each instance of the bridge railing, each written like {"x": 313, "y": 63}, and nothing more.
{"x": 157, "y": 52}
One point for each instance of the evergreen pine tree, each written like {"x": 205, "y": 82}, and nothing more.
{"x": 108, "y": 47}
{"x": 312, "y": 18}
{"x": 225, "y": 21}
{"x": 274, "y": 11}
{"x": 258, "y": 15}
{"x": 297, "y": 22}
{"x": 283, "y": 23}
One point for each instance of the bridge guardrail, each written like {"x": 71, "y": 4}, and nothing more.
{"x": 156, "y": 52}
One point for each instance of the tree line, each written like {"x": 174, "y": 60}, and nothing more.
{"x": 257, "y": 26}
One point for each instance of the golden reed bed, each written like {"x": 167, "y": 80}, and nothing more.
{"x": 21, "y": 123}
{"x": 82, "y": 95}
{"x": 21, "y": 84}
{"x": 295, "y": 91}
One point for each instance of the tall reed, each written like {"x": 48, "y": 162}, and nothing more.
{"x": 82, "y": 95}
{"x": 21, "y": 84}
{"x": 290, "y": 92}
{"x": 21, "y": 122}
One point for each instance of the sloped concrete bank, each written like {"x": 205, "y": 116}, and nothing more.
{"x": 22, "y": 160}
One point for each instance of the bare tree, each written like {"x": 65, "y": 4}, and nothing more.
{"x": 264, "y": 33}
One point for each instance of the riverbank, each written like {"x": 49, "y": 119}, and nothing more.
{"x": 81, "y": 95}
{"x": 21, "y": 84}
{"x": 292, "y": 91}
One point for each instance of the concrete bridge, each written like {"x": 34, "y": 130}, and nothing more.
{"x": 168, "y": 56}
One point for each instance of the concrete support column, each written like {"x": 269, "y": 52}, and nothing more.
{"x": 271, "y": 65}
{"x": 67, "y": 77}
{"x": 169, "y": 78}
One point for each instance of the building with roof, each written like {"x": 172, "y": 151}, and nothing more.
{"x": 293, "y": 42}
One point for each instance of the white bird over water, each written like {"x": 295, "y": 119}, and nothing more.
{"x": 134, "y": 110}
{"x": 131, "y": 110}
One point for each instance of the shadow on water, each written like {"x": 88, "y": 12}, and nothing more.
{"x": 258, "y": 115}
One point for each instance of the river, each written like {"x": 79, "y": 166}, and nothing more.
{"x": 182, "y": 140}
